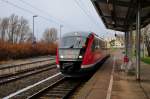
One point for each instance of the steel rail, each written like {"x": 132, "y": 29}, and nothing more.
{"x": 61, "y": 89}
{"x": 29, "y": 87}
{"x": 26, "y": 74}
{"x": 15, "y": 65}
{"x": 15, "y": 69}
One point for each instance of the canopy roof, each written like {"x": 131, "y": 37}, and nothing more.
{"x": 121, "y": 14}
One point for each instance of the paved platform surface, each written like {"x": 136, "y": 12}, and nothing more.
{"x": 125, "y": 85}
{"x": 119, "y": 86}
{"x": 97, "y": 86}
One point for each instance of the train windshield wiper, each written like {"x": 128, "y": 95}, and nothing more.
{"x": 71, "y": 46}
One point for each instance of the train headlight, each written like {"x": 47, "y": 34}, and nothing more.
{"x": 58, "y": 66}
{"x": 61, "y": 56}
{"x": 80, "y": 56}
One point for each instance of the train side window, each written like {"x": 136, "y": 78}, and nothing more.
{"x": 97, "y": 43}
{"x": 93, "y": 46}
{"x": 101, "y": 44}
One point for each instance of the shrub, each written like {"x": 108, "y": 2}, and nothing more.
{"x": 25, "y": 50}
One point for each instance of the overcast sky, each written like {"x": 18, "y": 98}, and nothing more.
{"x": 74, "y": 15}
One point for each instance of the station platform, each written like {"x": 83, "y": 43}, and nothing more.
{"x": 109, "y": 82}
{"x": 22, "y": 61}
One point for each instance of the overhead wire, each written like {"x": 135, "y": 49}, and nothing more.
{"x": 89, "y": 11}
{"x": 33, "y": 13}
{"x": 46, "y": 13}
{"x": 77, "y": 3}
{"x": 14, "y": 5}
{"x": 89, "y": 7}
{"x": 91, "y": 19}
{"x": 45, "y": 18}
{"x": 28, "y": 11}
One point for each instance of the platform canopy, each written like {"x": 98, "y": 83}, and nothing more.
{"x": 120, "y": 15}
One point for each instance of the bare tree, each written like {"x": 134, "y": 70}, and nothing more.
{"x": 146, "y": 32}
{"x": 13, "y": 25}
{"x": 22, "y": 30}
{"x": 50, "y": 35}
{"x": 3, "y": 27}
{"x": 14, "y": 29}
{"x": 29, "y": 37}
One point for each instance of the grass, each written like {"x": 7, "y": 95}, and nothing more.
{"x": 113, "y": 49}
{"x": 146, "y": 60}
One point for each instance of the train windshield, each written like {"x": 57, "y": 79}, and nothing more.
{"x": 72, "y": 42}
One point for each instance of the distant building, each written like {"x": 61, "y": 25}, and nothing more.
{"x": 118, "y": 44}
{"x": 114, "y": 43}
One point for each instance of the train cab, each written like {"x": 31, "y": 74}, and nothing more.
{"x": 78, "y": 52}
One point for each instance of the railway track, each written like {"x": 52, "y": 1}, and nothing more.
{"x": 61, "y": 89}
{"x": 21, "y": 75}
{"x": 32, "y": 88}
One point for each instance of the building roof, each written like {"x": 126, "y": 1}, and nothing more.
{"x": 121, "y": 14}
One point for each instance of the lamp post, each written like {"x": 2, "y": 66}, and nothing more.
{"x": 33, "y": 39}
{"x": 60, "y": 30}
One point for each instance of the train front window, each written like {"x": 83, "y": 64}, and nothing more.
{"x": 72, "y": 42}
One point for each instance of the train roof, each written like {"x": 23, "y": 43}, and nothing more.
{"x": 77, "y": 33}
{"x": 81, "y": 33}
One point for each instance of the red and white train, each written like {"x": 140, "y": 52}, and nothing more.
{"x": 79, "y": 52}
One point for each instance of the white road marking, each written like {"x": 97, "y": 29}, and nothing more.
{"x": 111, "y": 80}
{"x": 29, "y": 87}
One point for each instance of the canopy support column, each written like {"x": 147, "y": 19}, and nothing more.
{"x": 130, "y": 45}
{"x": 138, "y": 41}
{"x": 126, "y": 43}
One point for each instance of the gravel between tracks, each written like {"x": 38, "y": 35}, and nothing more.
{"x": 11, "y": 87}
